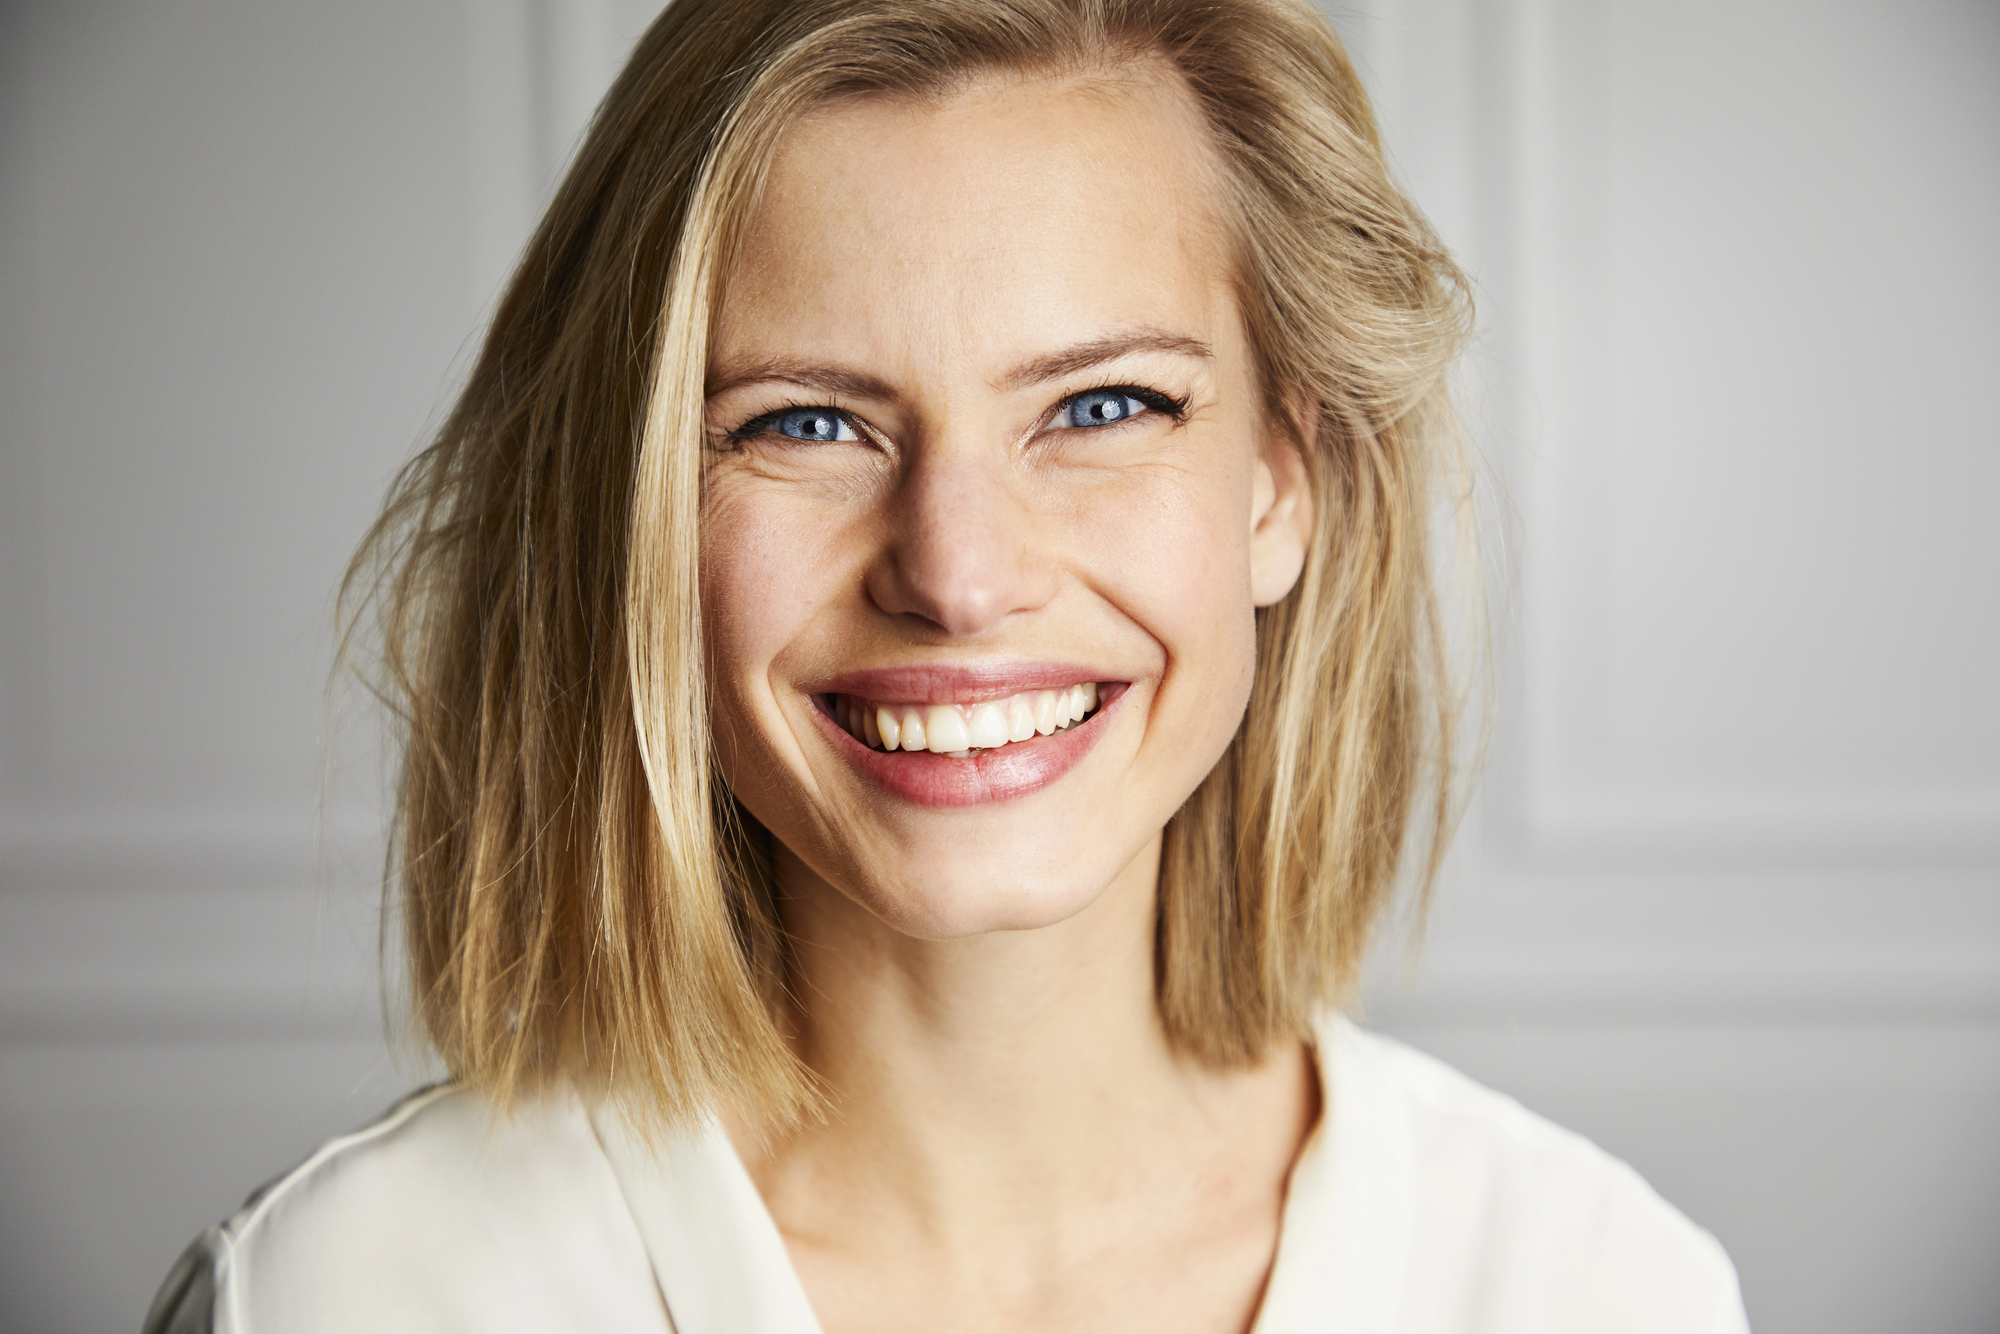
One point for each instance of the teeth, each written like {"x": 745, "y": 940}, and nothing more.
{"x": 989, "y": 726}
{"x": 945, "y": 727}
{"x": 959, "y": 730}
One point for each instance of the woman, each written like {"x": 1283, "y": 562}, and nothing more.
{"x": 918, "y": 661}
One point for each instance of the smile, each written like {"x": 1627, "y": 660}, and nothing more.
{"x": 959, "y": 730}
{"x": 958, "y": 736}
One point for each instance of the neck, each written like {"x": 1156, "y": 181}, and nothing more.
{"x": 1002, "y": 1079}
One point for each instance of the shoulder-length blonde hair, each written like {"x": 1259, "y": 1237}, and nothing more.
{"x": 583, "y": 899}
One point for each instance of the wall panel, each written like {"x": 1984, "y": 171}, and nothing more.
{"x": 1729, "y": 902}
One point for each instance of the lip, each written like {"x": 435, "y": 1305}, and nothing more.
{"x": 1001, "y": 774}
{"x": 944, "y": 684}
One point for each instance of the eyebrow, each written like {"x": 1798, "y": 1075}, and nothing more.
{"x": 807, "y": 375}
{"x": 1100, "y": 350}
{"x": 859, "y": 384}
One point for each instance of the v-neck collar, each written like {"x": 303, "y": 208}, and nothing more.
{"x": 1344, "y": 1235}
{"x": 1343, "y": 1240}
{"x": 717, "y": 1254}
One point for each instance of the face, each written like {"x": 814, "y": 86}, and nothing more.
{"x": 990, "y": 498}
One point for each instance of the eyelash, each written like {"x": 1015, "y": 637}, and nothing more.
{"x": 1175, "y": 409}
{"x": 764, "y": 421}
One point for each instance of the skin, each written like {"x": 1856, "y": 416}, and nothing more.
{"x": 1013, "y": 1144}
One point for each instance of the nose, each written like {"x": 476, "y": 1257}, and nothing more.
{"x": 962, "y": 551}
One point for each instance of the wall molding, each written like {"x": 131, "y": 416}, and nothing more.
{"x": 145, "y": 850}
{"x": 1561, "y": 826}
{"x": 1933, "y": 983}
{"x": 304, "y": 961}
{"x": 535, "y": 70}
{"x": 1545, "y": 111}
{"x": 278, "y": 958}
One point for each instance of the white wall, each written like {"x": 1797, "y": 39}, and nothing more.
{"x": 1730, "y": 902}
{"x": 232, "y": 280}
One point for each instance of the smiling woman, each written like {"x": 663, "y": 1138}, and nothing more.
{"x": 920, "y": 669}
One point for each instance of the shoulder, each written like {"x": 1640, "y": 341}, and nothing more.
{"x": 1517, "y": 1223}
{"x": 441, "y": 1214}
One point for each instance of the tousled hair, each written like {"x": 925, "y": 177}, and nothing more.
{"x": 582, "y": 898}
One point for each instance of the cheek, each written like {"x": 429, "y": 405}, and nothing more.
{"x": 1207, "y": 620}
{"x": 1175, "y": 558}
{"x": 762, "y": 574}
{"x": 1178, "y": 546}
{"x": 739, "y": 616}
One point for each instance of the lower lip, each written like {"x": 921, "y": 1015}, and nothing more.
{"x": 999, "y": 774}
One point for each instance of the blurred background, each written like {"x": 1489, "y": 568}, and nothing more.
{"x": 1729, "y": 901}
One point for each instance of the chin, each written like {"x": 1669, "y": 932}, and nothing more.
{"x": 955, "y": 894}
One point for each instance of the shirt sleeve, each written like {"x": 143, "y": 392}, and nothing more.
{"x": 186, "y": 1300}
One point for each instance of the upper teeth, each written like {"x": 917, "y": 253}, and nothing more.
{"x": 959, "y": 729}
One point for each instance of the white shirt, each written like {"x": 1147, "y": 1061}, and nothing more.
{"x": 1421, "y": 1203}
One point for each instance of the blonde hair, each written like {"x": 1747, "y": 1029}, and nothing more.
{"x": 583, "y": 899}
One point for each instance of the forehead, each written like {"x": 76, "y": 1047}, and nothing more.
{"x": 995, "y": 213}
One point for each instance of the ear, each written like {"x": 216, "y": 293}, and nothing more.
{"x": 1281, "y": 507}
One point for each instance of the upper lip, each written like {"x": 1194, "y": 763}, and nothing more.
{"x": 939, "y": 683}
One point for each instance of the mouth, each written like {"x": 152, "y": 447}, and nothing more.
{"x": 961, "y": 730}
{"x": 917, "y": 736}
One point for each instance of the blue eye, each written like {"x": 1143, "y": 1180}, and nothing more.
{"x": 1099, "y": 407}
{"x": 812, "y": 425}
{"x": 816, "y": 424}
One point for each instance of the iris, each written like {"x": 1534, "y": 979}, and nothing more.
{"x": 1099, "y": 407}
{"x": 812, "y": 424}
